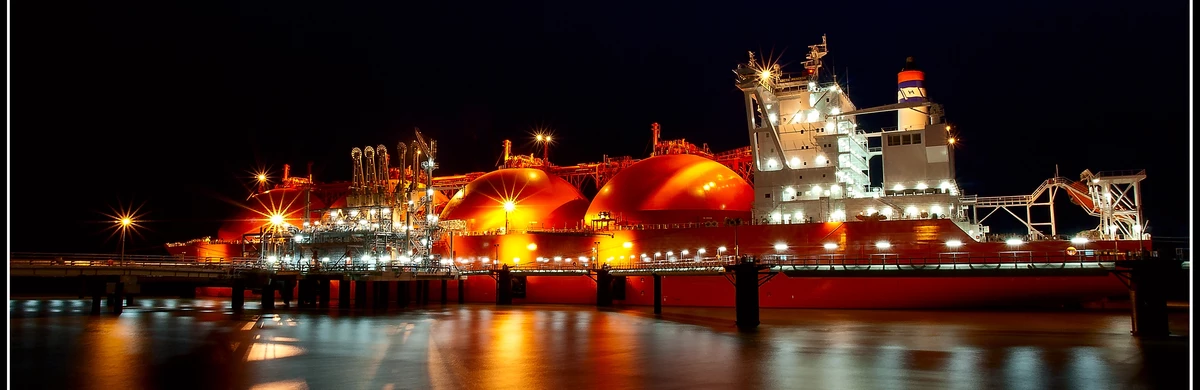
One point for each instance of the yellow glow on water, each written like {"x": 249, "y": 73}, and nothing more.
{"x": 511, "y": 349}
{"x": 108, "y": 344}
{"x": 291, "y": 384}
{"x": 271, "y": 351}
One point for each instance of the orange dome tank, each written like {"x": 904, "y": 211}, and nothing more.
{"x": 535, "y": 200}
{"x": 257, "y": 213}
{"x": 676, "y": 188}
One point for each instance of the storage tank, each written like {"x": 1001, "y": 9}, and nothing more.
{"x": 525, "y": 198}
{"x": 671, "y": 189}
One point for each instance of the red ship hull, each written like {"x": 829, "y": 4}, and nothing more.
{"x": 822, "y": 292}
{"x": 910, "y": 241}
{"x": 792, "y": 292}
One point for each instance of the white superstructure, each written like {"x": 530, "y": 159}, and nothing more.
{"x": 812, "y": 162}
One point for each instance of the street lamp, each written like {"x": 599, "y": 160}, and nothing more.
{"x": 509, "y": 206}
{"x": 262, "y": 178}
{"x": 545, "y": 140}
{"x": 735, "y": 222}
{"x": 596, "y": 253}
{"x": 125, "y": 222}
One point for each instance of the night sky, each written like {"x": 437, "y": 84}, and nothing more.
{"x": 172, "y": 105}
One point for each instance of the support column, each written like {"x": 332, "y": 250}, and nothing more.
{"x": 1147, "y": 292}
{"x": 288, "y": 292}
{"x": 344, "y": 294}
{"x": 360, "y": 294}
{"x": 131, "y": 288}
{"x": 462, "y": 291}
{"x": 97, "y": 287}
{"x": 418, "y": 291}
{"x": 323, "y": 293}
{"x": 402, "y": 293}
{"x": 268, "y": 297}
{"x": 95, "y": 302}
{"x": 657, "y": 294}
{"x": 504, "y": 286}
{"x": 603, "y": 288}
{"x": 424, "y": 292}
{"x": 109, "y": 288}
{"x": 310, "y": 297}
{"x": 118, "y": 305}
{"x": 305, "y": 290}
{"x": 444, "y": 283}
{"x": 382, "y": 295}
{"x": 746, "y": 294}
{"x": 238, "y": 296}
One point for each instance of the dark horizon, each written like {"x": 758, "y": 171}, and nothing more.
{"x": 175, "y": 105}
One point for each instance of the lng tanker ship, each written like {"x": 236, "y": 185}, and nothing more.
{"x": 801, "y": 192}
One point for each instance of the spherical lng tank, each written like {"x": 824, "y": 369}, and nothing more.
{"x": 521, "y": 198}
{"x": 673, "y": 189}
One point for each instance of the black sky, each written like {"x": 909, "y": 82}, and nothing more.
{"x": 172, "y": 104}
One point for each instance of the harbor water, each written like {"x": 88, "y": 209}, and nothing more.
{"x": 199, "y": 343}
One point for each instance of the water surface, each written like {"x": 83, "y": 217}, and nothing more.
{"x": 181, "y": 343}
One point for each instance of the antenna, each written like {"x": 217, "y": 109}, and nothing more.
{"x": 833, "y": 68}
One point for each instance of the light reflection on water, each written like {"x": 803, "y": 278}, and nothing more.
{"x": 168, "y": 343}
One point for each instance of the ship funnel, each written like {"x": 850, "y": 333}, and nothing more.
{"x": 910, "y": 83}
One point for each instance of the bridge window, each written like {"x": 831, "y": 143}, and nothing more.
{"x": 893, "y": 140}
{"x": 906, "y": 139}
{"x": 916, "y": 138}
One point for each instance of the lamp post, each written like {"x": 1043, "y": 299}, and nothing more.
{"x": 125, "y": 222}
{"x": 596, "y": 253}
{"x": 544, "y": 139}
{"x": 276, "y": 220}
{"x": 509, "y": 206}
{"x": 735, "y": 222}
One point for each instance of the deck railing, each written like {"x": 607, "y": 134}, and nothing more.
{"x": 883, "y": 261}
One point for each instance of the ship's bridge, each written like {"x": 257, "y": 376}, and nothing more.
{"x": 812, "y": 161}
